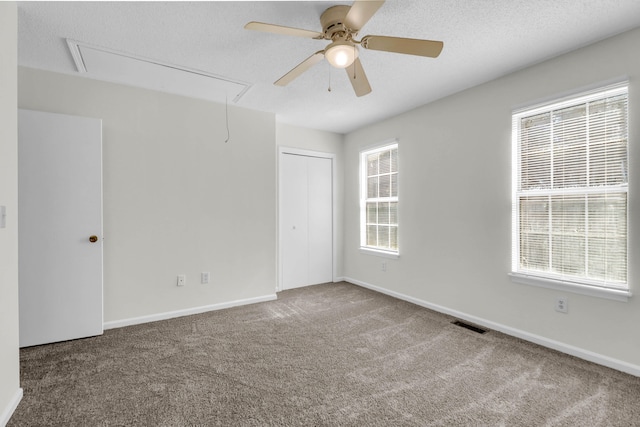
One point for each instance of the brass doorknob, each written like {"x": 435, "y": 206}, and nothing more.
{"x": 93, "y": 239}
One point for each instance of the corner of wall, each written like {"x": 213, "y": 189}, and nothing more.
{"x": 10, "y": 392}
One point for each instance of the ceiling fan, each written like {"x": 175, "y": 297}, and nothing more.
{"x": 340, "y": 25}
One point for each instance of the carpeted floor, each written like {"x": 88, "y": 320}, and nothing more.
{"x": 326, "y": 355}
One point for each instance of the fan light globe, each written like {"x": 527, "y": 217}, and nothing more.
{"x": 341, "y": 54}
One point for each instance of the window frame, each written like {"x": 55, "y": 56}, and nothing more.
{"x": 364, "y": 248}
{"x": 582, "y": 285}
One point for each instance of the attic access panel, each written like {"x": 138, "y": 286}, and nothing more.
{"x": 105, "y": 64}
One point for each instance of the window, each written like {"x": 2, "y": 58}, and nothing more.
{"x": 379, "y": 199}
{"x": 570, "y": 175}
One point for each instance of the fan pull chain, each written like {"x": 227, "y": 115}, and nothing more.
{"x": 354, "y": 64}
{"x": 329, "y": 90}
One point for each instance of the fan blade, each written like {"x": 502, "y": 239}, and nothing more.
{"x": 358, "y": 78}
{"x": 279, "y": 29}
{"x": 300, "y": 68}
{"x": 419, "y": 47}
{"x": 360, "y": 13}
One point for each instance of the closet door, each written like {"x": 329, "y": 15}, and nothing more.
{"x": 293, "y": 221}
{"x": 306, "y": 220}
{"x": 320, "y": 224}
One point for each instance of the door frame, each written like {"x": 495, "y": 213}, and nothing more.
{"x": 283, "y": 150}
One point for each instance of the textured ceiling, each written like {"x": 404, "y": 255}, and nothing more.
{"x": 483, "y": 39}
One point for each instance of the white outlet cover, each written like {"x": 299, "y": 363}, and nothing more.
{"x": 562, "y": 305}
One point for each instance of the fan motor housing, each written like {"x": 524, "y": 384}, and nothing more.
{"x": 332, "y": 21}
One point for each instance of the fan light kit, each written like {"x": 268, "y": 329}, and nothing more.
{"x": 341, "y": 54}
{"x": 340, "y": 25}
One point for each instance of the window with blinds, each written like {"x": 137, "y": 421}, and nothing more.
{"x": 570, "y": 190}
{"x": 379, "y": 199}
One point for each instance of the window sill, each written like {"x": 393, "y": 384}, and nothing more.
{"x": 383, "y": 254}
{"x": 612, "y": 294}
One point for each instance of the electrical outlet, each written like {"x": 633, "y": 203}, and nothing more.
{"x": 562, "y": 305}
{"x": 383, "y": 267}
{"x": 182, "y": 280}
{"x": 204, "y": 277}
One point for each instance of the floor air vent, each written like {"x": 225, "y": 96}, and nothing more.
{"x": 469, "y": 327}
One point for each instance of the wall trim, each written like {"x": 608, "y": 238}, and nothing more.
{"x": 186, "y": 312}
{"x": 5, "y": 416}
{"x": 578, "y": 352}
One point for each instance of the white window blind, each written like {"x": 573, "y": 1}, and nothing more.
{"x": 570, "y": 190}
{"x": 379, "y": 198}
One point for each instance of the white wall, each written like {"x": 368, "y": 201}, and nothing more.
{"x": 325, "y": 142}
{"x": 177, "y": 198}
{"x": 10, "y": 391}
{"x": 455, "y": 217}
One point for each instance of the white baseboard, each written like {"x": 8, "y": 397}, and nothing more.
{"x": 537, "y": 339}
{"x": 6, "y": 414}
{"x": 186, "y": 312}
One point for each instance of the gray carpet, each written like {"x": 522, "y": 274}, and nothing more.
{"x": 326, "y": 355}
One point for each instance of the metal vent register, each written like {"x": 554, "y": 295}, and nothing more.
{"x": 470, "y": 327}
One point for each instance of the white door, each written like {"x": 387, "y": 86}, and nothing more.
{"x": 293, "y": 221}
{"x": 306, "y": 220}
{"x": 60, "y": 227}
{"x": 320, "y": 217}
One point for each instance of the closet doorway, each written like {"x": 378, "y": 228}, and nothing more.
{"x": 305, "y": 218}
